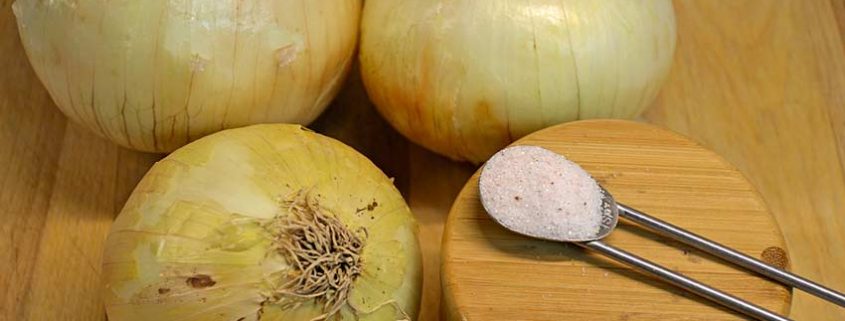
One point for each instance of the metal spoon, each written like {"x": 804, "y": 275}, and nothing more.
{"x": 608, "y": 223}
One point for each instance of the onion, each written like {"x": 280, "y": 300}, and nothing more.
{"x": 465, "y": 78}
{"x": 153, "y": 75}
{"x": 267, "y": 222}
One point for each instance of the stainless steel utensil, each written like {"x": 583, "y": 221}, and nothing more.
{"x": 616, "y": 210}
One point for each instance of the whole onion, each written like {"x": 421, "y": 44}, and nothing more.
{"x": 465, "y": 78}
{"x": 153, "y": 75}
{"x": 267, "y": 222}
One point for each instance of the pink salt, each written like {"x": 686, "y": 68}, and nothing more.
{"x": 537, "y": 192}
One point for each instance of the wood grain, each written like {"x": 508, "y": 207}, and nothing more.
{"x": 60, "y": 187}
{"x": 763, "y": 84}
{"x": 490, "y": 273}
{"x": 436, "y": 183}
{"x": 89, "y": 190}
{"x": 758, "y": 81}
{"x": 30, "y": 145}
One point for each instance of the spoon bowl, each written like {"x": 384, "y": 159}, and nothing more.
{"x": 539, "y": 193}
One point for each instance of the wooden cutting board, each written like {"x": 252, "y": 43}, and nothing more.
{"x": 490, "y": 273}
{"x": 761, "y": 82}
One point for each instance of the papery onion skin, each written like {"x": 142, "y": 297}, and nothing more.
{"x": 152, "y": 75}
{"x": 465, "y": 78}
{"x": 189, "y": 244}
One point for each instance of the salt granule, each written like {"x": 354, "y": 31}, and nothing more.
{"x": 534, "y": 191}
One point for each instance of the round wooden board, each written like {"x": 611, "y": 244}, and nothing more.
{"x": 490, "y": 273}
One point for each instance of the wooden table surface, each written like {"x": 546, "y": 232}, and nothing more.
{"x": 761, "y": 82}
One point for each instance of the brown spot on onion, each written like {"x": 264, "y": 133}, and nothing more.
{"x": 200, "y": 281}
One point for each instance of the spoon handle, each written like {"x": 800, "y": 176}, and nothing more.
{"x": 683, "y": 282}
{"x": 681, "y": 235}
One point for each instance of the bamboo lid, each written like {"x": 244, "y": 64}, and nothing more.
{"x": 490, "y": 273}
